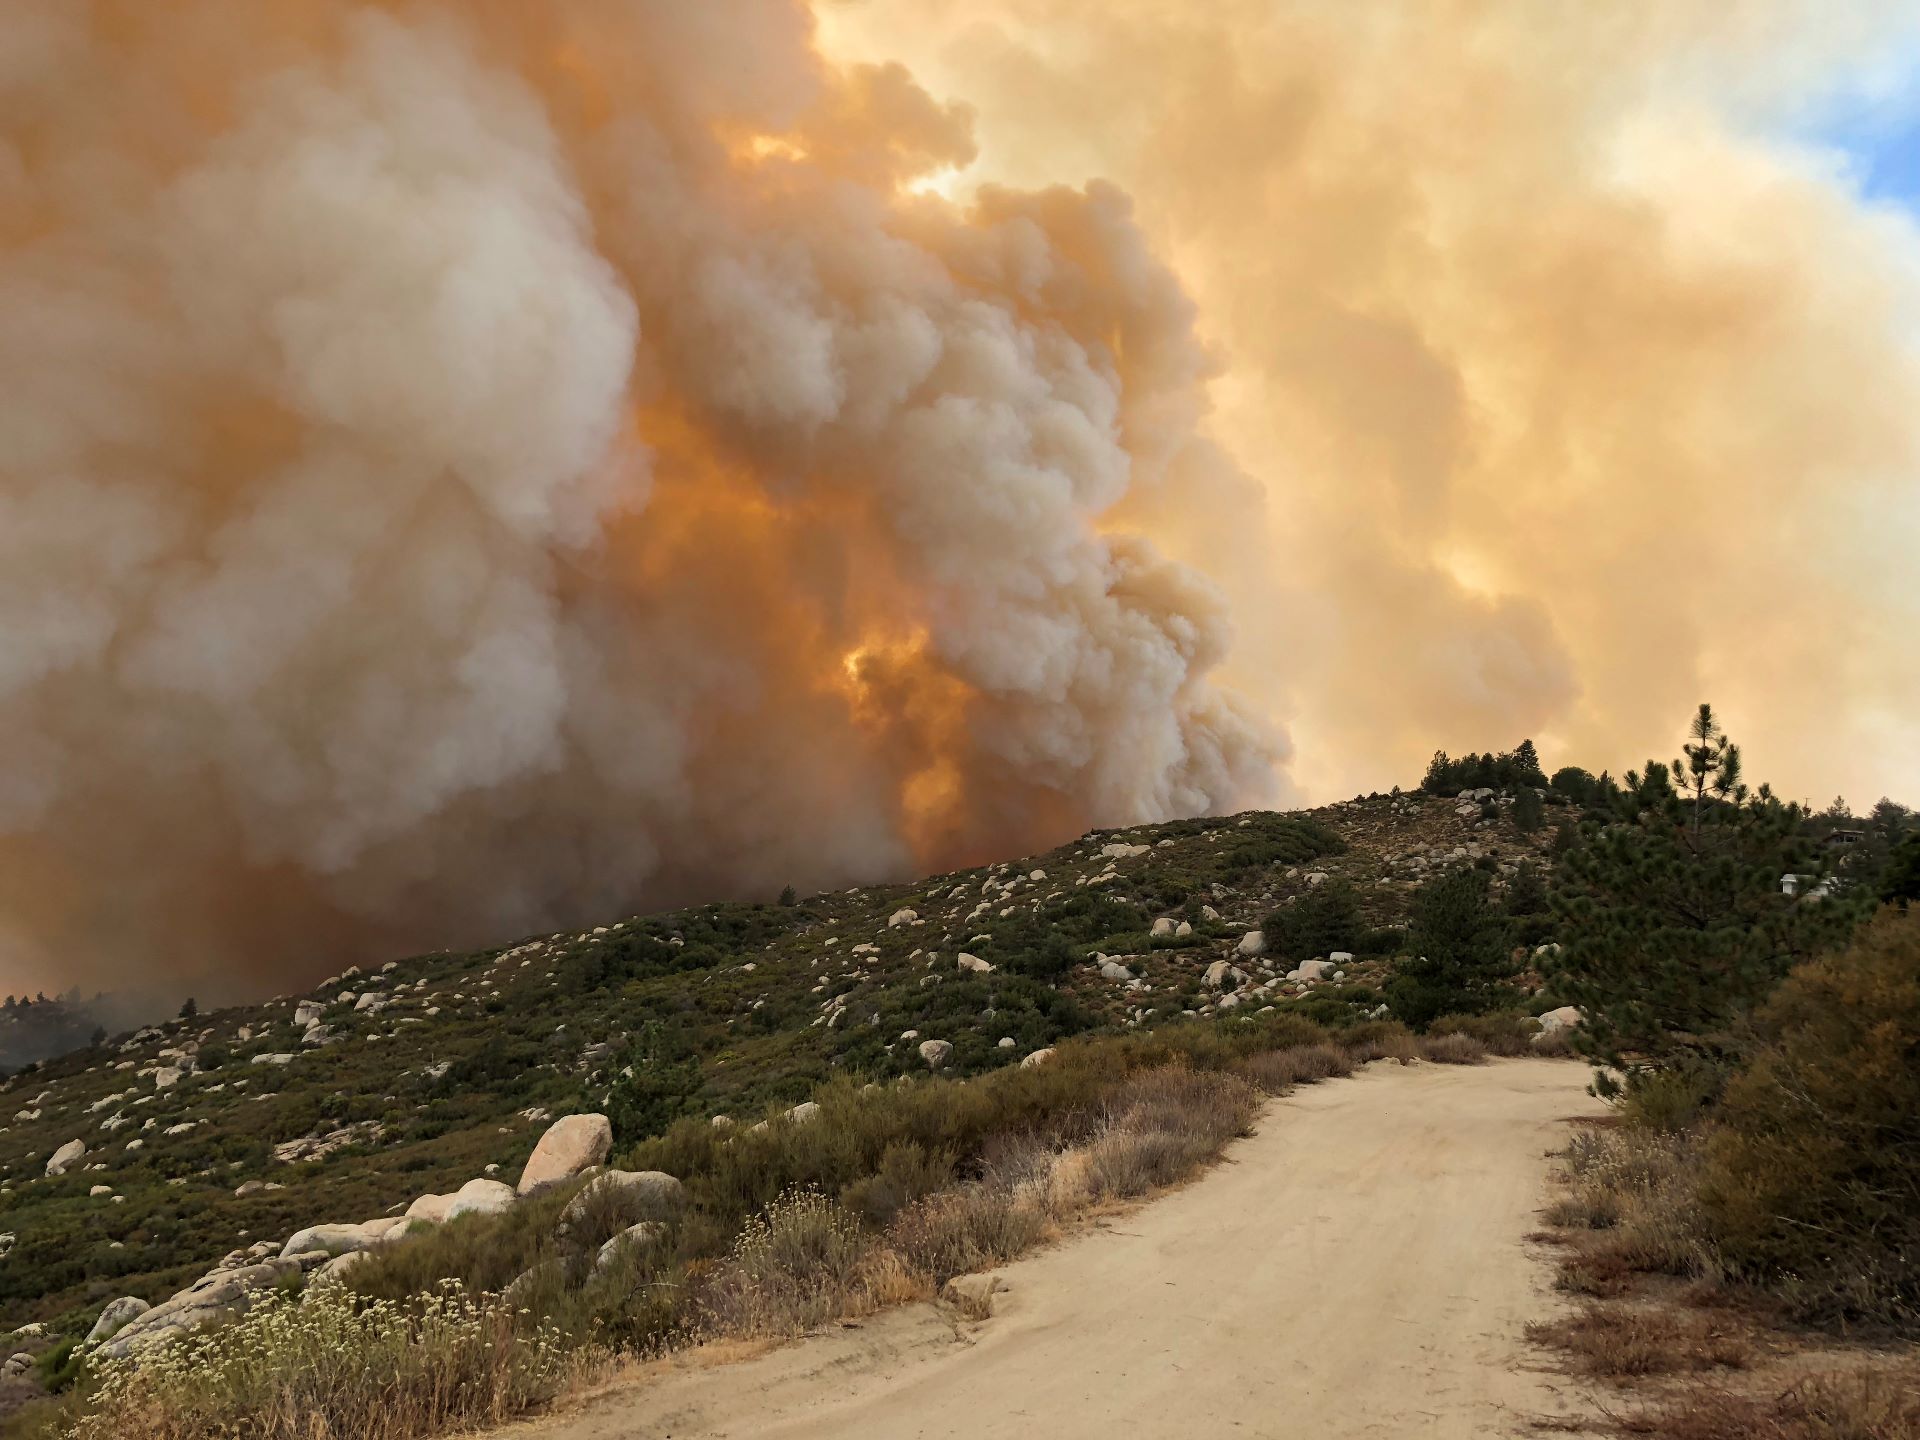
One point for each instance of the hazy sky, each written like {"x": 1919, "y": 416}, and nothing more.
{"x": 1573, "y": 348}
{"x": 470, "y": 469}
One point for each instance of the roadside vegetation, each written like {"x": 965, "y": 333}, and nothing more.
{"x": 1744, "y": 1236}
{"x": 883, "y": 1195}
{"x": 1760, "y": 1046}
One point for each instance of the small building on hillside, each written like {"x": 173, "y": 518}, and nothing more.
{"x": 1807, "y": 887}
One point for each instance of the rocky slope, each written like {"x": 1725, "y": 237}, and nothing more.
{"x": 125, "y": 1171}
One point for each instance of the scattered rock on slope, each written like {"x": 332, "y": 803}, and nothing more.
{"x": 569, "y": 1146}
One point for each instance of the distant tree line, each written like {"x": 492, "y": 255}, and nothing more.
{"x": 1518, "y": 766}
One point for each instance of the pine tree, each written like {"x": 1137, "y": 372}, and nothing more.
{"x": 1527, "y": 892}
{"x": 787, "y": 897}
{"x": 190, "y": 1009}
{"x": 1711, "y": 766}
{"x": 1672, "y": 918}
{"x": 1526, "y": 761}
{"x": 1900, "y": 883}
{"x": 1528, "y": 812}
{"x": 1461, "y": 958}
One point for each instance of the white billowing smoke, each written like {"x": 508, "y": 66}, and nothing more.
{"x": 467, "y": 469}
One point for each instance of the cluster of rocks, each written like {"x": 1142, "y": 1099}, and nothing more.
{"x": 574, "y": 1146}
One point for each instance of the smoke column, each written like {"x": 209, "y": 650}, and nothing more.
{"x": 1583, "y": 390}
{"x": 468, "y": 468}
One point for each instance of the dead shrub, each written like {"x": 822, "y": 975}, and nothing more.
{"x": 1381, "y": 1040}
{"x": 1641, "y": 1187}
{"x": 1504, "y": 1032}
{"x": 906, "y": 1171}
{"x": 1619, "y": 1342}
{"x": 1163, "y": 1125}
{"x": 1279, "y": 1071}
{"x": 959, "y": 1231}
{"x": 1869, "y": 1402}
{"x": 1554, "y": 1044}
{"x": 792, "y": 1268}
{"x": 1455, "y": 1049}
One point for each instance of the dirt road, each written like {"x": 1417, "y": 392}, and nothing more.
{"x": 1355, "y": 1270}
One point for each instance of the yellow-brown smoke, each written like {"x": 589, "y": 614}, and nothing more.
{"x": 1575, "y": 397}
{"x": 467, "y": 468}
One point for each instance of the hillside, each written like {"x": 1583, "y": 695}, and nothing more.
{"x": 238, "y": 1127}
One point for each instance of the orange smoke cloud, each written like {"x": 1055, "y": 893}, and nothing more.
{"x": 473, "y": 468}
{"x": 1575, "y": 394}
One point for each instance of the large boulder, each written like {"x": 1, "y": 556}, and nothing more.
{"x": 902, "y": 917}
{"x": 936, "y": 1053}
{"x": 654, "y": 1191}
{"x": 481, "y": 1197}
{"x": 647, "y": 1232}
{"x": 66, "y": 1157}
{"x": 216, "y": 1297}
{"x": 115, "y": 1318}
{"x": 974, "y": 964}
{"x": 1315, "y": 969}
{"x": 1565, "y": 1018}
{"x": 571, "y": 1145}
{"x": 1222, "y": 972}
{"x": 337, "y": 1240}
{"x": 1115, "y": 971}
{"x": 1254, "y": 942}
{"x": 1038, "y": 1057}
{"x": 307, "y": 1013}
{"x": 430, "y": 1208}
{"x": 338, "y": 1267}
{"x": 1162, "y": 928}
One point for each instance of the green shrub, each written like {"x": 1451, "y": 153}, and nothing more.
{"x": 1324, "y": 919}
{"x": 1813, "y": 1176}
{"x": 1669, "y": 1101}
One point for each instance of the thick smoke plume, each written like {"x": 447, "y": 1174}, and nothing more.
{"x": 466, "y": 468}
{"x": 1581, "y": 390}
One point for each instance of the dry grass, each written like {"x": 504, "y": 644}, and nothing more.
{"x": 1619, "y": 1342}
{"x": 1506, "y": 1033}
{"x": 1869, "y": 1402}
{"x": 1455, "y": 1049}
{"x": 792, "y": 1268}
{"x": 1279, "y": 1071}
{"x": 1639, "y": 1187}
{"x": 870, "y": 1214}
{"x": 960, "y": 1231}
{"x": 808, "y": 1259}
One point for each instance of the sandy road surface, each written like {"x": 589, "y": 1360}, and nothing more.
{"x": 1356, "y": 1269}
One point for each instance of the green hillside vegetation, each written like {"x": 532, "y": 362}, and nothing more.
{"x": 737, "y": 1009}
{"x": 1654, "y": 905}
